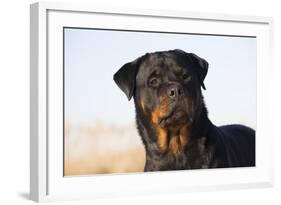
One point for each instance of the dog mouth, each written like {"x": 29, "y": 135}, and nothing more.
{"x": 172, "y": 114}
{"x": 174, "y": 119}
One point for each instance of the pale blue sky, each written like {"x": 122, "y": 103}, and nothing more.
{"x": 93, "y": 56}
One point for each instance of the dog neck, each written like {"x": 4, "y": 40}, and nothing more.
{"x": 172, "y": 144}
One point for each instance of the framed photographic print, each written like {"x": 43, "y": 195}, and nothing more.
{"x": 127, "y": 102}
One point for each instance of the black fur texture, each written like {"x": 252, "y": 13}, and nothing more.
{"x": 172, "y": 118}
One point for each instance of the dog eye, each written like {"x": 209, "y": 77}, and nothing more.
{"x": 153, "y": 82}
{"x": 186, "y": 77}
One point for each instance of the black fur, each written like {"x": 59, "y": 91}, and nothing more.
{"x": 171, "y": 81}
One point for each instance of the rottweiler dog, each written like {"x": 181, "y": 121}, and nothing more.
{"x": 172, "y": 118}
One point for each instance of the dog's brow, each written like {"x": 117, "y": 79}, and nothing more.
{"x": 155, "y": 71}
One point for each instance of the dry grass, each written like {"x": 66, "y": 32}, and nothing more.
{"x": 101, "y": 149}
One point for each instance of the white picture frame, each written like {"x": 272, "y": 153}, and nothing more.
{"x": 47, "y": 182}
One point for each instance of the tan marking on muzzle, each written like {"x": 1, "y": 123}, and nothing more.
{"x": 155, "y": 116}
{"x": 160, "y": 110}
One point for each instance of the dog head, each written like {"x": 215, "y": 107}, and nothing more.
{"x": 165, "y": 85}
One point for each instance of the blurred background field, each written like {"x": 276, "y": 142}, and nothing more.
{"x": 100, "y": 134}
{"x": 100, "y": 148}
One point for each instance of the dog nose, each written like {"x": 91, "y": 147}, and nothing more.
{"x": 175, "y": 91}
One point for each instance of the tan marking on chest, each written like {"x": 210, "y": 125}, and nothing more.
{"x": 162, "y": 139}
{"x": 162, "y": 133}
{"x": 178, "y": 142}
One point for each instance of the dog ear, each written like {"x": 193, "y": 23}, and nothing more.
{"x": 125, "y": 78}
{"x": 203, "y": 66}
